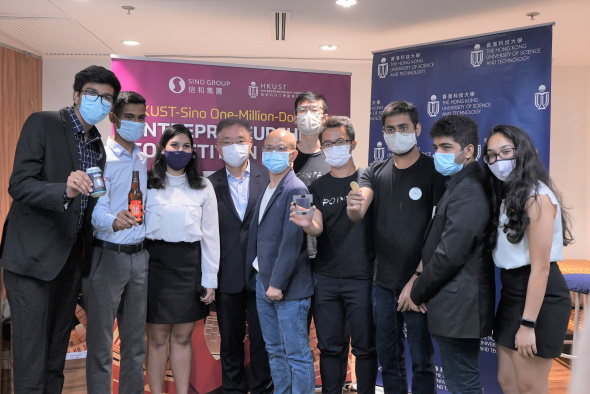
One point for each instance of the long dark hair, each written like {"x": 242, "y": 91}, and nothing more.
{"x": 157, "y": 175}
{"x": 516, "y": 189}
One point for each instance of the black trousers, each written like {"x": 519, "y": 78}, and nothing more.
{"x": 233, "y": 311}
{"x": 42, "y": 319}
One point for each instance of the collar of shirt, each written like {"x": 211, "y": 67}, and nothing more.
{"x": 245, "y": 175}
{"x": 93, "y": 133}
{"x": 119, "y": 150}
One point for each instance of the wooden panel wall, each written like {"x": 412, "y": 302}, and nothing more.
{"x": 20, "y": 95}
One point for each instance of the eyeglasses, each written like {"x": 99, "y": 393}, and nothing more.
{"x": 279, "y": 148}
{"x": 105, "y": 99}
{"x": 314, "y": 109}
{"x": 504, "y": 154}
{"x": 338, "y": 142}
{"x": 404, "y": 129}
{"x": 228, "y": 143}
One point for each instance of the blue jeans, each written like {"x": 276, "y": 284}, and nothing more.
{"x": 389, "y": 325}
{"x": 460, "y": 364}
{"x": 284, "y": 329}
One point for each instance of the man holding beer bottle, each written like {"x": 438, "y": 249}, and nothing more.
{"x": 115, "y": 285}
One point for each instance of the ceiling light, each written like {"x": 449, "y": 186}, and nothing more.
{"x": 532, "y": 14}
{"x": 346, "y": 3}
{"x": 129, "y": 8}
{"x": 329, "y": 47}
{"x": 130, "y": 42}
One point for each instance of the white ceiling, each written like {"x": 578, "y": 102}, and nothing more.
{"x": 244, "y": 29}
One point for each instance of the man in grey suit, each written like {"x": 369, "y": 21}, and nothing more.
{"x": 277, "y": 250}
{"x": 237, "y": 187}
{"x": 49, "y": 227}
{"x": 457, "y": 283}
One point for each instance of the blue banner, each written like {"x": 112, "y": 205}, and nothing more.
{"x": 499, "y": 78}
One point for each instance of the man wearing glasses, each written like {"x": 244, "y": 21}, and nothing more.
{"x": 343, "y": 267}
{"x": 404, "y": 189}
{"x": 48, "y": 227}
{"x": 237, "y": 187}
{"x": 284, "y": 284}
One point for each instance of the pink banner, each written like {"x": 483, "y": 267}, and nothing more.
{"x": 200, "y": 95}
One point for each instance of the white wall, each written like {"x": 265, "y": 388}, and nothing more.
{"x": 570, "y": 123}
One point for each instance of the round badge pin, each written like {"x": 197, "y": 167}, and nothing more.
{"x": 415, "y": 193}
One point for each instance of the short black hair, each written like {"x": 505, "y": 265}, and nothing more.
{"x": 311, "y": 96}
{"x": 124, "y": 98}
{"x": 400, "y": 107}
{"x": 337, "y": 122}
{"x": 97, "y": 74}
{"x": 228, "y": 122}
{"x": 461, "y": 129}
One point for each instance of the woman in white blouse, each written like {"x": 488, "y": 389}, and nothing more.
{"x": 183, "y": 241}
{"x": 529, "y": 229}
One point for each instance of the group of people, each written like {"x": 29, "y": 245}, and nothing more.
{"x": 410, "y": 240}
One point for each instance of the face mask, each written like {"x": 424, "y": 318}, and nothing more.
{"x": 235, "y": 155}
{"x": 308, "y": 123}
{"x": 445, "y": 163}
{"x": 337, "y": 156}
{"x": 502, "y": 168}
{"x": 130, "y": 131}
{"x": 93, "y": 111}
{"x": 177, "y": 159}
{"x": 276, "y": 162}
{"x": 400, "y": 143}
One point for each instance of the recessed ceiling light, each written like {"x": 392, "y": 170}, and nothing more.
{"x": 346, "y": 3}
{"x": 329, "y": 47}
{"x": 130, "y": 42}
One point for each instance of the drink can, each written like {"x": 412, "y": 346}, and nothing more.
{"x": 98, "y": 186}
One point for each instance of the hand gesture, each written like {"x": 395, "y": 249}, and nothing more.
{"x": 300, "y": 220}
{"x": 78, "y": 182}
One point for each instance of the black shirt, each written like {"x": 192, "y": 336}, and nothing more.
{"x": 310, "y": 166}
{"x": 403, "y": 203}
{"x": 344, "y": 248}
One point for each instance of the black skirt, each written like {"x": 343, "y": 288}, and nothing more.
{"x": 553, "y": 317}
{"x": 174, "y": 276}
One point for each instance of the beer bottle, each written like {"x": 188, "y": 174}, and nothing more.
{"x": 136, "y": 198}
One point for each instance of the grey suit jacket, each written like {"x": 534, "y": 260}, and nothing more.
{"x": 40, "y": 231}
{"x": 457, "y": 283}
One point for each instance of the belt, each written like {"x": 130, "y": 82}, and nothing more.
{"x": 129, "y": 249}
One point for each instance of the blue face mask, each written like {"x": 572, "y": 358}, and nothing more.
{"x": 131, "y": 131}
{"x": 276, "y": 162}
{"x": 177, "y": 159}
{"x": 445, "y": 163}
{"x": 93, "y": 111}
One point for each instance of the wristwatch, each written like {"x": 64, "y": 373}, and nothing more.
{"x": 528, "y": 323}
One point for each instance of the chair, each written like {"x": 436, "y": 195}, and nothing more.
{"x": 577, "y": 277}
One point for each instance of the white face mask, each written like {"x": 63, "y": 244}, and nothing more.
{"x": 235, "y": 155}
{"x": 400, "y": 143}
{"x": 502, "y": 168}
{"x": 337, "y": 156}
{"x": 309, "y": 123}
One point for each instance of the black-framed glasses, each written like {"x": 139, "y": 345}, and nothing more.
{"x": 314, "y": 109}
{"x": 279, "y": 148}
{"x": 228, "y": 143}
{"x": 338, "y": 142}
{"x": 504, "y": 154}
{"x": 404, "y": 129}
{"x": 105, "y": 99}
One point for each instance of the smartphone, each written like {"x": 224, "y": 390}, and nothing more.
{"x": 303, "y": 201}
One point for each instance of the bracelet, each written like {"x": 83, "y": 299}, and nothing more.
{"x": 528, "y": 323}
{"x": 417, "y": 273}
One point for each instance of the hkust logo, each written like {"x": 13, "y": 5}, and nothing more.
{"x": 176, "y": 85}
{"x": 253, "y": 90}
{"x": 379, "y": 152}
{"x": 382, "y": 68}
{"x": 433, "y": 106}
{"x": 542, "y": 98}
{"x": 476, "y": 56}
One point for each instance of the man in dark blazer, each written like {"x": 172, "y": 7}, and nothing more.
{"x": 49, "y": 228}
{"x": 237, "y": 187}
{"x": 457, "y": 282}
{"x": 277, "y": 249}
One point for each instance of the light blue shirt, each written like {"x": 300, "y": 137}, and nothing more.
{"x": 240, "y": 190}
{"x": 117, "y": 178}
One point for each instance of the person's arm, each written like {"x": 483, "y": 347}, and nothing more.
{"x": 405, "y": 301}
{"x": 210, "y": 249}
{"x": 357, "y": 203}
{"x": 540, "y": 234}
{"x": 312, "y": 224}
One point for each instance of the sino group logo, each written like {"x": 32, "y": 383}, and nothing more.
{"x": 176, "y": 85}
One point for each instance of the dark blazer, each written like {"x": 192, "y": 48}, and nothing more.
{"x": 280, "y": 245}
{"x": 40, "y": 231}
{"x": 457, "y": 283}
{"x": 233, "y": 232}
